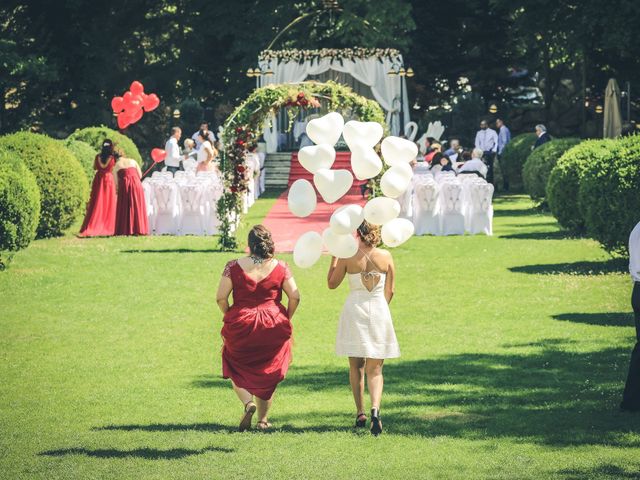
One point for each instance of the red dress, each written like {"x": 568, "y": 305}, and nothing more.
{"x": 131, "y": 210}
{"x": 100, "y": 219}
{"x": 257, "y": 331}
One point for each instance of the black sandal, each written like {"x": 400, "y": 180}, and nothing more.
{"x": 361, "y": 420}
{"x": 376, "y": 423}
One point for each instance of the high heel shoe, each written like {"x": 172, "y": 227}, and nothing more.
{"x": 245, "y": 422}
{"x": 376, "y": 422}
{"x": 361, "y": 420}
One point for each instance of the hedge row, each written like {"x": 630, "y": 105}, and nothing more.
{"x": 514, "y": 156}
{"x": 44, "y": 183}
{"x": 594, "y": 189}
{"x": 539, "y": 164}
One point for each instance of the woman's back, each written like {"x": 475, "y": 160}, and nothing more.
{"x": 368, "y": 270}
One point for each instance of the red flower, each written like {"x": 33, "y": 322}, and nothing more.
{"x": 233, "y": 189}
{"x": 304, "y": 102}
{"x": 240, "y": 142}
{"x": 239, "y": 129}
{"x": 300, "y": 95}
{"x": 240, "y": 168}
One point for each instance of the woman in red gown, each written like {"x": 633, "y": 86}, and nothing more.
{"x": 100, "y": 219}
{"x": 257, "y": 327}
{"x": 131, "y": 208}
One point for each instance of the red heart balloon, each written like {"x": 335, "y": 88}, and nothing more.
{"x": 150, "y": 102}
{"x": 127, "y": 98}
{"x": 124, "y": 120}
{"x": 135, "y": 115}
{"x": 117, "y": 104}
{"x": 136, "y": 88}
{"x": 158, "y": 154}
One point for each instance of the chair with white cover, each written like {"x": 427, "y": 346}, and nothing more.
{"x": 192, "y": 208}
{"x": 406, "y": 204}
{"x": 451, "y": 208}
{"x": 481, "y": 209}
{"x": 426, "y": 214}
{"x": 211, "y": 193}
{"x": 147, "y": 188}
{"x": 189, "y": 164}
{"x": 167, "y": 197}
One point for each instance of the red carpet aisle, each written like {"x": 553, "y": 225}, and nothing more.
{"x": 286, "y": 227}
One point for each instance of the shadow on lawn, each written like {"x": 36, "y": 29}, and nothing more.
{"x": 613, "y": 265}
{"x": 611, "y": 319}
{"x": 553, "y": 235}
{"x": 147, "y": 453}
{"x": 173, "y": 250}
{"x": 546, "y": 395}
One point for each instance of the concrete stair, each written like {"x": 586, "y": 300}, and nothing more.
{"x": 277, "y": 167}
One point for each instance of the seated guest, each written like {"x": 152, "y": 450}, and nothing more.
{"x": 433, "y": 149}
{"x": 543, "y": 136}
{"x": 441, "y": 163}
{"x": 454, "y": 150}
{"x": 475, "y": 165}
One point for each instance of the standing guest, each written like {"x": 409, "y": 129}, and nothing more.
{"x": 543, "y": 136}
{"x": 504, "y": 137}
{"x": 487, "y": 141}
{"x": 631, "y": 395}
{"x": 206, "y": 154}
{"x": 131, "y": 208}
{"x": 173, "y": 158}
{"x": 204, "y": 127}
{"x": 476, "y": 165}
{"x": 365, "y": 331}
{"x": 100, "y": 219}
{"x": 257, "y": 328}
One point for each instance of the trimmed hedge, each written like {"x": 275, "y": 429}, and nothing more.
{"x": 63, "y": 185}
{"x": 94, "y": 136}
{"x": 610, "y": 195}
{"x": 513, "y": 157}
{"x": 85, "y": 154}
{"x": 539, "y": 164}
{"x": 564, "y": 180}
{"x": 19, "y": 207}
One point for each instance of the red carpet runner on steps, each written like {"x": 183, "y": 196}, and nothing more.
{"x": 286, "y": 227}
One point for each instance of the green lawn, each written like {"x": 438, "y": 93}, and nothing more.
{"x": 514, "y": 353}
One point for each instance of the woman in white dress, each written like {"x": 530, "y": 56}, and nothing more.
{"x": 206, "y": 154}
{"x": 365, "y": 331}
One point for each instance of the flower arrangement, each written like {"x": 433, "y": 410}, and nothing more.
{"x": 295, "y": 55}
{"x": 242, "y": 127}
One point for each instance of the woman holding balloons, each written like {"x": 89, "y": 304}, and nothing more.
{"x": 365, "y": 330}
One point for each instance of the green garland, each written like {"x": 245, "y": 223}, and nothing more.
{"x": 243, "y": 127}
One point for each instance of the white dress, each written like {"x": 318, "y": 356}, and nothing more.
{"x": 365, "y": 328}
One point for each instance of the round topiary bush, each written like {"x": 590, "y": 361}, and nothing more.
{"x": 94, "y": 136}
{"x": 63, "y": 185}
{"x": 609, "y": 195}
{"x": 514, "y": 156}
{"x": 565, "y": 177}
{"x": 19, "y": 207}
{"x": 84, "y": 153}
{"x": 538, "y": 166}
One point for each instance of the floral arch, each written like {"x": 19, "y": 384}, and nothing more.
{"x": 242, "y": 129}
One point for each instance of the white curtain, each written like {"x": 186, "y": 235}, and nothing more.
{"x": 370, "y": 71}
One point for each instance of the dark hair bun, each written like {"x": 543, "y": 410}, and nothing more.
{"x": 260, "y": 242}
{"x": 369, "y": 234}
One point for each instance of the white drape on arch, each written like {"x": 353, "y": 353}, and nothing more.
{"x": 371, "y": 71}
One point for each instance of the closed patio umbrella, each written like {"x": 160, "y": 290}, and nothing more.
{"x": 612, "y": 124}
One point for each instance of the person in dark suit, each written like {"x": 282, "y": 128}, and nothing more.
{"x": 543, "y": 136}
{"x": 631, "y": 395}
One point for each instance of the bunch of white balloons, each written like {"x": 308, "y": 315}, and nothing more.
{"x": 361, "y": 138}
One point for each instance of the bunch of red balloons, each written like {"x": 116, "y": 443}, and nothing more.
{"x": 131, "y": 106}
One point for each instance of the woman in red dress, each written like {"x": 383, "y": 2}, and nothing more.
{"x": 100, "y": 219}
{"x": 257, "y": 327}
{"x": 131, "y": 208}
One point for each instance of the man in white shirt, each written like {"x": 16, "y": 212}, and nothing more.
{"x": 631, "y": 395}
{"x": 173, "y": 158}
{"x": 487, "y": 141}
{"x": 210, "y": 135}
{"x": 475, "y": 165}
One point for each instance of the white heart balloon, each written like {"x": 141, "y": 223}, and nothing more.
{"x": 381, "y": 210}
{"x": 332, "y": 184}
{"x": 397, "y": 231}
{"x": 302, "y": 198}
{"x": 404, "y": 169}
{"x": 307, "y": 250}
{"x": 315, "y": 157}
{"x": 394, "y": 182}
{"x": 365, "y": 162}
{"x": 341, "y": 246}
{"x": 326, "y": 129}
{"x": 398, "y": 150}
{"x": 346, "y": 219}
{"x": 366, "y": 133}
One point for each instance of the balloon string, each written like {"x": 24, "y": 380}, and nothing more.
{"x": 148, "y": 169}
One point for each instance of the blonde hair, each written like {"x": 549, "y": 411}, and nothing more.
{"x": 369, "y": 234}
